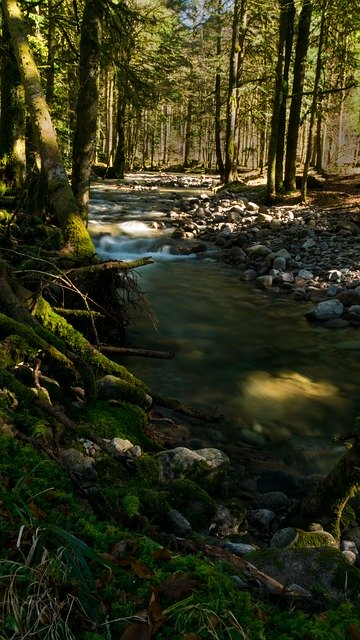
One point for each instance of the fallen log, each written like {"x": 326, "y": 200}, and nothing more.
{"x": 110, "y": 265}
{"x": 127, "y": 351}
{"x": 186, "y": 410}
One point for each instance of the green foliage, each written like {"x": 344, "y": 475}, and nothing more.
{"x": 131, "y": 504}
{"x": 121, "y": 421}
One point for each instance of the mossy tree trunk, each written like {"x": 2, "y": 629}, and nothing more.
{"x": 12, "y": 123}
{"x": 326, "y": 504}
{"x": 87, "y": 104}
{"x": 62, "y": 200}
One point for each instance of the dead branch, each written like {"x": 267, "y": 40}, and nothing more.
{"x": 247, "y": 569}
{"x": 111, "y": 265}
{"x": 184, "y": 409}
{"x": 127, "y": 351}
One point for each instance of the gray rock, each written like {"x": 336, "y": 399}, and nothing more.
{"x": 328, "y": 310}
{"x": 205, "y": 466}
{"x": 249, "y": 275}
{"x": 305, "y": 274}
{"x": 355, "y": 309}
{"x": 274, "y": 500}
{"x": 282, "y": 253}
{"x": 239, "y": 548}
{"x": 79, "y": 464}
{"x": 262, "y": 518}
{"x": 279, "y": 263}
{"x": 177, "y": 523}
{"x": 350, "y": 556}
{"x": 257, "y": 250}
{"x": 332, "y": 290}
{"x": 309, "y": 243}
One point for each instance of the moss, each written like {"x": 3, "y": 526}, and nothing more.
{"x": 77, "y": 237}
{"x": 132, "y": 388}
{"x": 305, "y": 539}
{"x": 121, "y": 421}
{"x": 192, "y": 501}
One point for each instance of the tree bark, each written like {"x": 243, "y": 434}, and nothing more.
{"x": 217, "y": 123}
{"x": 87, "y": 104}
{"x": 302, "y": 45}
{"x": 236, "y": 59}
{"x": 62, "y": 200}
{"x": 277, "y": 102}
{"x": 12, "y": 124}
{"x": 314, "y": 101}
{"x": 279, "y": 168}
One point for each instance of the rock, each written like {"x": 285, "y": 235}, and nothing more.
{"x": 262, "y": 518}
{"x": 274, "y": 500}
{"x": 228, "y": 521}
{"x": 177, "y": 523}
{"x": 305, "y": 274}
{"x": 265, "y": 217}
{"x": 282, "y": 253}
{"x": 78, "y": 464}
{"x": 355, "y": 309}
{"x": 264, "y": 282}
{"x": 309, "y": 243}
{"x": 334, "y": 276}
{"x": 354, "y": 536}
{"x": 316, "y": 569}
{"x": 252, "y": 206}
{"x": 121, "y": 445}
{"x": 258, "y": 250}
{"x": 350, "y": 556}
{"x": 239, "y": 548}
{"x": 250, "y": 436}
{"x": 299, "y": 539}
{"x": 332, "y": 290}
{"x": 249, "y": 275}
{"x": 207, "y": 467}
{"x": 279, "y": 263}
{"x": 326, "y": 310}
{"x": 113, "y": 388}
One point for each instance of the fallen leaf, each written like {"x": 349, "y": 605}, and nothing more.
{"x": 137, "y": 631}
{"x": 177, "y": 586}
{"x": 36, "y": 511}
{"x": 162, "y": 554}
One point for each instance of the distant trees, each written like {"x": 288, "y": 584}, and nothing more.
{"x": 189, "y": 84}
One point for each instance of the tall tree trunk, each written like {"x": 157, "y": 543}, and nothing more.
{"x": 12, "y": 124}
{"x": 50, "y": 73}
{"x": 302, "y": 45}
{"x": 188, "y": 133}
{"x": 217, "y": 124}
{"x": 277, "y": 102}
{"x": 61, "y": 197}
{"x": 314, "y": 101}
{"x": 118, "y": 168}
{"x": 236, "y": 57}
{"x": 279, "y": 168}
{"x": 87, "y": 104}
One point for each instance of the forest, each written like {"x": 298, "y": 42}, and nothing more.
{"x": 111, "y": 524}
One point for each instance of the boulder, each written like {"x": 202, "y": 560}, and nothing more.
{"x": 327, "y": 310}
{"x": 207, "y": 467}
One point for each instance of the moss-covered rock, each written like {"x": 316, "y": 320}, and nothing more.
{"x": 299, "y": 539}
{"x": 206, "y": 467}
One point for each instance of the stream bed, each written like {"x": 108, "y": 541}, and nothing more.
{"x": 282, "y": 383}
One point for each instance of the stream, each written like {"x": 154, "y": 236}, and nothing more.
{"x": 283, "y": 384}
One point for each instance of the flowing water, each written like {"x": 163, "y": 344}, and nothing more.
{"x": 281, "y": 382}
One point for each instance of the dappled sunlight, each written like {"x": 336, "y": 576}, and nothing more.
{"x": 289, "y": 398}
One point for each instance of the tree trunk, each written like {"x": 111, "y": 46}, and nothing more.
{"x": 278, "y": 98}
{"x": 12, "y": 124}
{"x": 87, "y": 104}
{"x": 188, "y": 134}
{"x": 314, "y": 101}
{"x": 61, "y": 197}
{"x": 217, "y": 124}
{"x": 302, "y": 45}
{"x": 327, "y": 502}
{"x": 236, "y": 55}
{"x": 118, "y": 168}
{"x": 279, "y": 168}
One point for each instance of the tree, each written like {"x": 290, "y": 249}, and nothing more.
{"x": 302, "y": 44}
{"x": 87, "y": 103}
{"x": 62, "y": 201}
{"x": 283, "y": 52}
{"x": 12, "y": 123}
